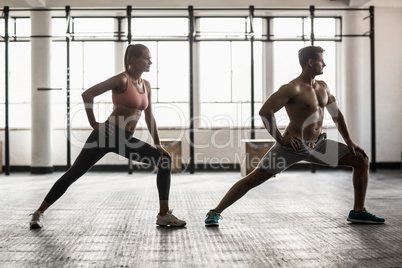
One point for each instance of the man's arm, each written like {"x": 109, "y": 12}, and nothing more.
{"x": 341, "y": 125}
{"x": 273, "y": 104}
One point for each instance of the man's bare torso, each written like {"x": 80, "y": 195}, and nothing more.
{"x": 306, "y": 109}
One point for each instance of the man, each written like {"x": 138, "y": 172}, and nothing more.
{"x": 304, "y": 99}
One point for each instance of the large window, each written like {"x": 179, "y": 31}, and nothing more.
{"x": 225, "y": 72}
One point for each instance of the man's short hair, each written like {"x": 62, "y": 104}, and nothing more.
{"x": 310, "y": 52}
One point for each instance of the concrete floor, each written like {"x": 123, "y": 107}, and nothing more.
{"x": 297, "y": 219}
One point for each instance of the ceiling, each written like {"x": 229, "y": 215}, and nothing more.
{"x": 195, "y": 3}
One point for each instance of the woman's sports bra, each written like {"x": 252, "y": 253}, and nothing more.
{"x": 131, "y": 99}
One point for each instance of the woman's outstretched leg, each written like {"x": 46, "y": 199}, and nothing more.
{"x": 85, "y": 160}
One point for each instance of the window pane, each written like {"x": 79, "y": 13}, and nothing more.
{"x": 215, "y": 71}
{"x": 78, "y": 115}
{"x": 222, "y": 27}
{"x": 173, "y": 71}
{"x": 229, "y": 80}
{"x": 287, "y": 28}
{"x": 225, "y": 114}
{"x": 241, "y": 62}
{"x": 23, "y": 27}
{"x": 76, "y": 65}
{"x": 257, "y": 24}
{"x": 59, "y": 113}
{"x": 323, "y": 27}
{"x": 286, "y": 62}
{"x": 95, "y": 26}
{"x": 98, "y": 62}
{"x": 171, "y": 115}
{"x": 59, "y": 65}
{"x": 152, "y": 27}
{"x": 2, "y": 32}
{"x": 3, "y": 112}
{"x": 59, "y": 80}
{"x": 59, "y": 27}
{"x": 2, "y": 74}
{"x": 20, "y": 72}
{"x": 15, "y": 118}
{"x": 259, "y": 76}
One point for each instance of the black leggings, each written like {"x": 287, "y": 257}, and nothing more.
{"x": 122, "y": 143}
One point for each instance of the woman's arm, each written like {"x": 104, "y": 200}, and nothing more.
{"x": 114, "y": 83}
{"x": 151, "y": 122}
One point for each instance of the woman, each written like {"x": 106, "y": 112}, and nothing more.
{"x": 131, "y": 95}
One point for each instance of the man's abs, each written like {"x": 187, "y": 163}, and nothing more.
{"x": 304, "y": 132}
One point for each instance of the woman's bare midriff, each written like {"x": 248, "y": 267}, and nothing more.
{"x": 125, "y": 119}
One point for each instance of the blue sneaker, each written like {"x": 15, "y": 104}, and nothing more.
{"x": 212, "y": 218}
{"x": 364, "y": 217}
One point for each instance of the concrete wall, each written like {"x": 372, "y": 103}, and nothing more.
{"x": 388, "y": 23}
{"x": 355, "y": 76}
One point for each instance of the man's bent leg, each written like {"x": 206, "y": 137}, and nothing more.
{"x": 360, "y": 165}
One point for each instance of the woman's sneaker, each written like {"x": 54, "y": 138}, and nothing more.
{"x": 36, "y": 220}
{"x": 212, "y": 218}
{"x": 364, "y": 217}
{"x": 169, "y": 220}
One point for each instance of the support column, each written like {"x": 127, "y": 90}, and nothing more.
{"x": 268, "y": 68}
{"x": 251, "y": 18}
{"x": 6, "y": 13}
{"x": 191, "y": 36}
{"x": 41, "y": 41}
{"x": 120, "y": 46}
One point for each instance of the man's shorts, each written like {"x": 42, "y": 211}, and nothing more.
{"x": 322, "y": 151}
